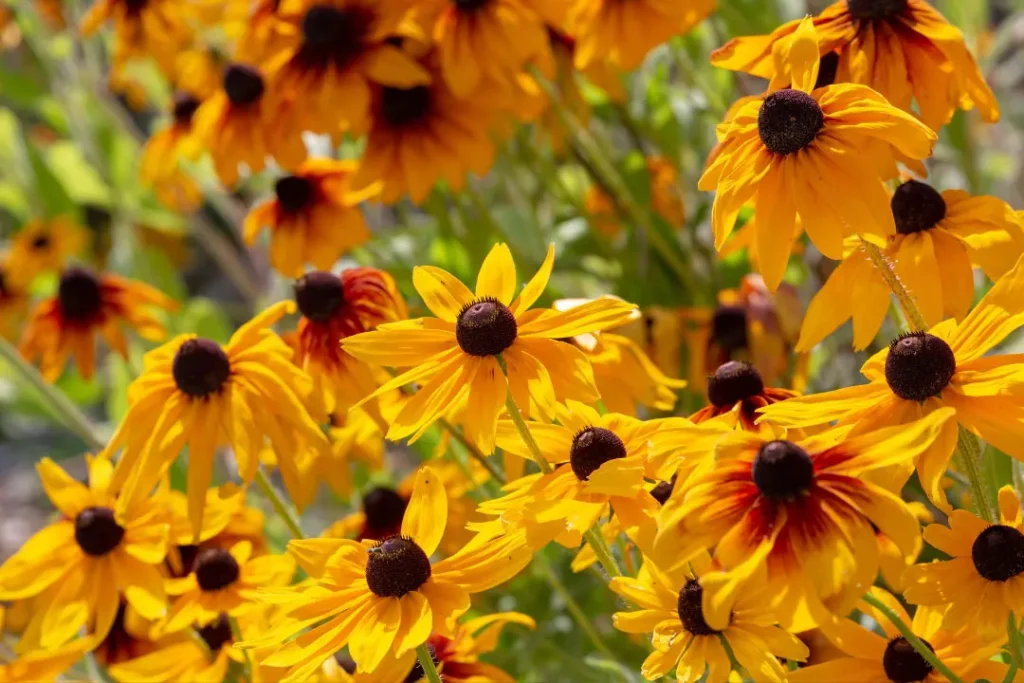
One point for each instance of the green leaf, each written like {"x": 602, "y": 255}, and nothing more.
{"x": 53, "y": 197}
{"x": 206, "y": 319}
{"x": 84, "y": 185}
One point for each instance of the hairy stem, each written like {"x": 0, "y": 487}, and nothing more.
{"x": 915, "y": 642}
{"x": 427, "y": 662}
{"x": 282, "y": 508}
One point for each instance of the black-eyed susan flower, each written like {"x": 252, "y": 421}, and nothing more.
{"x": 736, "y": 391}
{"x": 87, "y": 305}
{"x": 42, "y": 246}
{"x": 313, "y": 216}
{"x": 333, "y": 53}
{"x": 144, "y": 28}
{"x": 868, "y": 657}
{"x": 801, "y": 511}
{"x": 99, "y": 551}
{"x": 604, "y": 31}
{"x": 940, "y": 238}
{"x": 983, "y": 581}
{"x": 788, "y": 151}
{"x": 671, "y": 609}
{"x": 455, "y": 355}
{"x": 385, "y": 597}
{"x": 159, "y": 166}
{"x": 195, "y": 391}
{"x": 239, "y": 125}
{"x": 924, "y": 56}
{"x": 422, "y": 134}
{"x": 921, "y": 372}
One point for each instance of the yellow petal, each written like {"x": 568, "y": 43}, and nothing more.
{"x": 804, "y": 59}
{"x": 497, "y": 276}
{"x": 441, "y": 291}
{"x": 535, "y": 287}
{"x": 427, "y": 513}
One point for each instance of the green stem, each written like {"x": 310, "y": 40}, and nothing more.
{"x": 603, "y": 552}
{"x": 968, "y": 455}
{"x": 578, "y": 615}
{"x": 280, "y": 507}
{"x": 906, "y": 300}
{"x": 735, "y": 663}
{"x": 66, "y": 412}
{"x": 427, "y": 662}
{"x": 524, "y": 431}
{"x": 474, "y": 452}
{"x": 915, "y": 642}
{"x": 1015, "y": 646}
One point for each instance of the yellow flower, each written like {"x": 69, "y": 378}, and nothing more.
{"x": 194, "y": 391}
{"x": 86, "y": 304}
{"x": 42, "y": 246}
{"x": 869, "y": 657}
{"x": 736, "y": 392}
{"x": 940, "y": 237}
{"x": 788, "y": 151}
{"x": 43, "y": 665}
{"x": 80, "y": 565}
{"x": 456, "y": 354}
{"x": 924, "y": 56}
{"x": 313, "y": 217}
{"x": 800, "y": 512}
{"x": 159, "y": 166}
{"x": 984, "y": 579}
{"x": 922, "y": 372}
{"x": 155, "y": 28}
{"x": 671, "y": 608}
{"x": 386, "y": 597}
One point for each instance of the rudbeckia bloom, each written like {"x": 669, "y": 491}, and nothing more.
{"x": 335, "y": 50}
{"x": 87, "y": 304}
{"x": 81, "y": 565}
{"x": 385, "y": 597}
{"x": 313, "y": 217}
{"x": 194, "y": 391}
{"x": 455, "y": 355}
{"x": 921, "y": 372}
{"x": 788, "y": 151}
{"x": 421, "y": 134}
{"x": 605, "y": 30}
{"x": 940, "y": 237}
{"x": 802, "y": 510}
{"x": 984, "y": 579}
{"x": 904, "y": 49}
{"x": 42, "y": 246}
{"x": 159, "y": 167}
{"x": 736, "y": 392}
{"x": 870, "y": 657}
{"x": 144, "y": 28}
{"x": 671, "y": 608}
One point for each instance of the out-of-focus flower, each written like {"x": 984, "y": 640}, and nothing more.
{"x": 154, "y": 28}
{"x": 160, "y": 168}
{"x": 42, "y": 246}
{"x": 13, "y": 304}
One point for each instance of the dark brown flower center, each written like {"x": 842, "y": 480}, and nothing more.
{"x": 405, "y": 106}
{"x": 79, "y": 295}
{"x": 346, "y": 663}
{"x": 782, "y": 470}
{"x": 593, "y": 447}
{"x": 828, "y": 67}
{"x": 242, "y": 84}
{"x": 733, "y": 382}
{"x": 384, "y": 509}
{"x": 998, "y": 553}
{"x": 97, "y": 532}
{"x": 485, "y": 328}
{"x": 729, "y": 328}
{"x": 319, "y": 295}
{"x": 396, "y": 566}
{"x": 875, "y": 9}
{"x": 334, "y": 36}
{"x": 294, "y": 193}
{"x": 200, "y": 367}
{"x": 904, "y": 664}
{"x": 917, "y": 206}
{"x": 663, "y": 491}
{"x": 185, "y": 105}
{"x": 919, "y": 366}
{"x": 217, "y": 633}
{"x": 41, "y": 242}
{"x": 216, "y": 568}
{"x": 467, "y": 5}
{"x": 789, "y": 120}
{"x": 691, "y": 609}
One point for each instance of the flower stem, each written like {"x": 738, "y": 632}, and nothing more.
{"x": 1015, "y": 646}
{"x": 969, "y": 458}
{"x": 66, "y": 412}
{"x": 888, "y": 272}
{"x": 524, "y": 431}
{"x": 915, "y": 642}
{"x": 578, "y": 615}
{"x": 280, "y": 507}
{"x": 474, "y": 452}
{"x": 427, "y": 662}
{"x": 603, "y": 552}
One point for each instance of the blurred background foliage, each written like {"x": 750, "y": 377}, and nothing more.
{"x": 70, "y": 142}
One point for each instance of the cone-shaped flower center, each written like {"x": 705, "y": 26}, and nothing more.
{"x": 242, "y": 84}
{"x": 998, "y": 553}
{"x": 593, "y": 447}
{"x": 405, "y": 106}
{"x": 216, "y": 568}
{"x": 200, "y": 367}
{"x": 733, "y": 382}
{"x": 293, "y": 193}
{"x": 919, "y": 366}
{"x": 729, "y": 327}
{"x": 97, "y": 532}
{"x": 185, "y": 105}
{"x": 828, "y": 67}
{"x": 486, "y": 328}
{"x": 789, "y": 120}
{"x": 917, "y": 206}
{"x": 384, "y": 509}
{"x": 875, "y": 9}
{"x": 217, "y": 633}
{"x": 396, "y": 566}
{"x": 319, "y": 295}
{"x": 691, "y": 610}
{"x": 904, "y": 664}
{"x": 331, "y": 34}
{"x": 782, "y": 470}
{"x": 663, "y": 490}
{"x": 79, "y": 295}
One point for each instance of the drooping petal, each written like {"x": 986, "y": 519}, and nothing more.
{"x": 427, "y": 512}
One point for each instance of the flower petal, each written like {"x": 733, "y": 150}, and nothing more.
{"x": 441, "y": 291}
{"x": 425, "y": 517}
{"x": 497, "y": 276}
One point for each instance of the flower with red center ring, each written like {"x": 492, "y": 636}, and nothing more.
{"x": 144, "y": 28}
{"x": 735, "y": 393}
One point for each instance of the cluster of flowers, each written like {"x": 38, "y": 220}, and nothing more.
{"x": 764, "y": 516}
